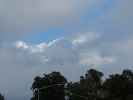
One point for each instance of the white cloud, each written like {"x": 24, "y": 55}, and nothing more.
{"x": 27, "y": 60}
{"x": 22, "y": 45}
{"x": 83, "y": 38}
{"x": 20, "y": 18}
{"x": 95, "y": 59}
{"x": 38, "y": 48}
{"x": 61, "y": 51}
{"x": 51, "y": 43}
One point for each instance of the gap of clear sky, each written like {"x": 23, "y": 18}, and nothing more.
{"x": 87, "y": 18}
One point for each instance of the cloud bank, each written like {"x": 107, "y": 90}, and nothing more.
{"x": 108, "y": 47}
{"x": 22, "y": 17}
{"x": 26, "y": 60}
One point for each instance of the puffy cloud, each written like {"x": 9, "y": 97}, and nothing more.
{"x": 38, "y": 48}
{"x": 21, "y": 44}
{"x": 83, "y": 38}
{"x": 22, "y": 62}
{"x": 94, "y": 59}
{"x": 64, "y": 51}
{"x": 26, "y": 60}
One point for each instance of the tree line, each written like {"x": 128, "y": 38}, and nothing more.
{"x": 91, "y": 86}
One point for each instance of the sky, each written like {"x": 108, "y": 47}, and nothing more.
{"x": 70, "y": 36}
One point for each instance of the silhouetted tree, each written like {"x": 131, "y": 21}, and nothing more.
{"x": 88, "y": 86}
{"x": 120, "y": 86}
{"x": 47, "y": 88}
{"x": 1, "y": 97}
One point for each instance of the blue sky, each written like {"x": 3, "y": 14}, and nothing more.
{"x": 70, "y": 36}
{"x": 89, "y": 17}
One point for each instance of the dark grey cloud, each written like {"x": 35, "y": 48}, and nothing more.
{"x": 22, "y": 17}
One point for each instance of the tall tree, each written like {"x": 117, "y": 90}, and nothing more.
{"x": 1, "y": 97}
{"x": 49, "y": 87}
{"x": 88, "y": 86}
{"x": 120, "y": 86}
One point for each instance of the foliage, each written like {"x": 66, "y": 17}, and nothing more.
{"x": 120, "y": 86}
{"x": 90, "y": 87}
{"x": 45, "y": 89}
{"x": 1, "y": 97}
